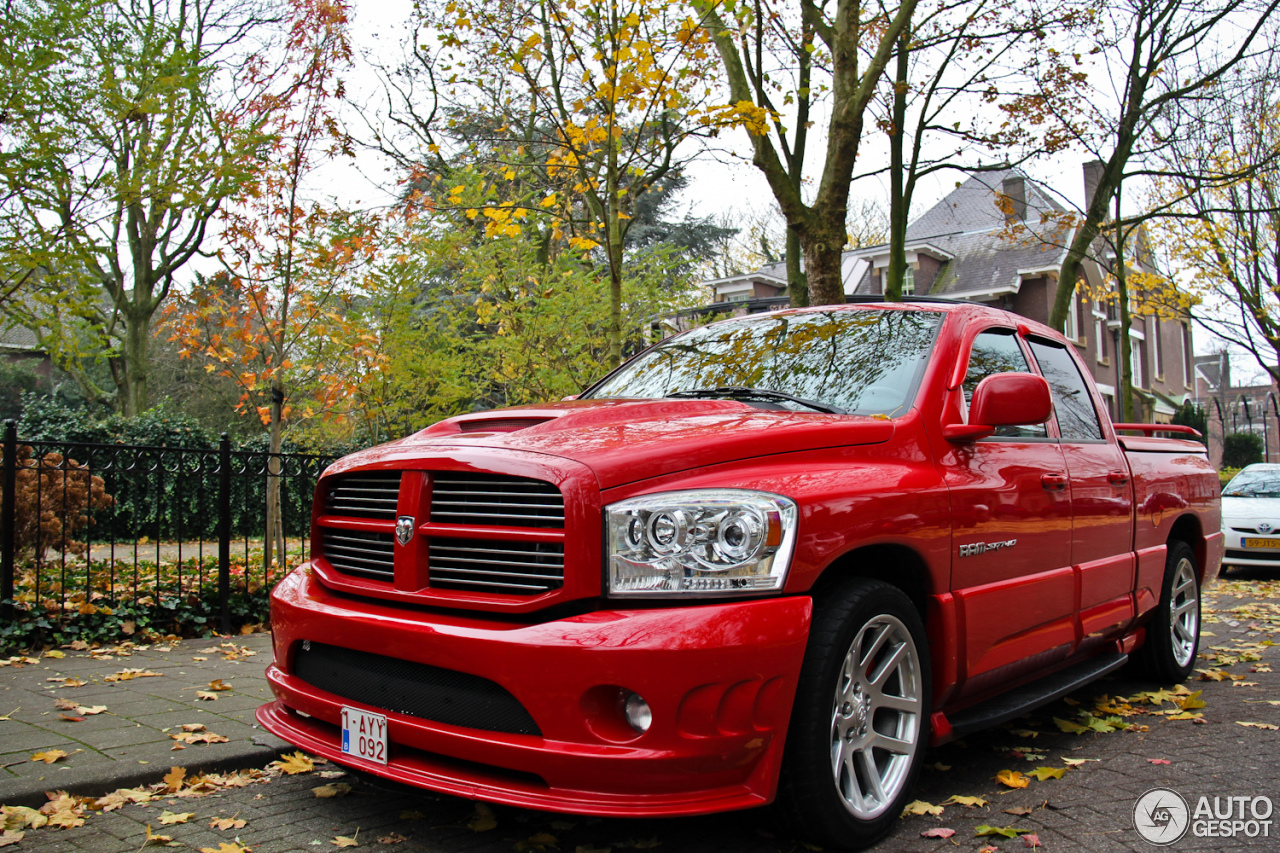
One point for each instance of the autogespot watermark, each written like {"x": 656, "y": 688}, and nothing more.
{"x": 1163, "y": 816}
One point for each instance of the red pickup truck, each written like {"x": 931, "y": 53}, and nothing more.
{"x": 768, "y": 560}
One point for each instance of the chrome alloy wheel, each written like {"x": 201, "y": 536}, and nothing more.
{"x": 876, "y": 716}
{"x": 1184, "y": 612}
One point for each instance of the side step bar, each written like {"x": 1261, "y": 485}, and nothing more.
{"x": 1015, "y": 703}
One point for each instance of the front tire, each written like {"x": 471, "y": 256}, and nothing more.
{"x": 1173, "y": 634}
{"x": 861, "y": 717}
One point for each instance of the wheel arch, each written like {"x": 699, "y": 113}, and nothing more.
{"x": 1189, "y": 530}
{"x": 894, "y": 564}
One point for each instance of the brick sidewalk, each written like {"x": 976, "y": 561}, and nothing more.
{"x": 130, "y": 741}
{"x": 1089, "y": 809}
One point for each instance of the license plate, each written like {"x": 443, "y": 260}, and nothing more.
{"x": 364, "y": 735}
{"x": 1262, "y": 543}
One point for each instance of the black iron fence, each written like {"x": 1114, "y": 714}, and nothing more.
{"x": 87, "y": 526}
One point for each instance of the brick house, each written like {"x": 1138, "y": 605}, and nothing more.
{"x": 997, "y": 239}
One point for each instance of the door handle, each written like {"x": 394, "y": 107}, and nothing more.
{"x": 1053, "y": 482}
{"x": 1118, "y": 478}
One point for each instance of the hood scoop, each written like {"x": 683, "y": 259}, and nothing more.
{"x": 499, "y": 424}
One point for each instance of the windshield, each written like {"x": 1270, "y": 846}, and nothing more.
{"x": 1254, "y": 484}
{"x": 856, "y": 361}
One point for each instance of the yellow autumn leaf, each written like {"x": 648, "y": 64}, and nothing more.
{"x": 293, "y": 764}
{"x": 1042, "y": 773}
{"x": 344, "y": 841}
{"x": 1012, "y": 779}
{"x": 920, "y": 807}
{"x": 967, "y": 802}
{"x": 1267, "y": 726}
{"x": 170, "y": 818}
{"x": 333, "y": 789}
{"x": 49, "y": 756}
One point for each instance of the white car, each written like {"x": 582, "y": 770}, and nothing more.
{"x": 1251, "y": 517}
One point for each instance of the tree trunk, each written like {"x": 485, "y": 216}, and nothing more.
{"x": 273, "y": 546}
{"x": 822, "y": 256}
{"x": 797, "y": 281}
{"x": 897, "y": 270}
{"x": 137, "y": 337}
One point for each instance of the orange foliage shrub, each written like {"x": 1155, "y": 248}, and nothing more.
{"x": 53, "y": 501}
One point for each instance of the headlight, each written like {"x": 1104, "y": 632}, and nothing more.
{"x": 703, "y": 542}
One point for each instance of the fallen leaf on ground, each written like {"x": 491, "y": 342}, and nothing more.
{"x": 1012, "y": 779}
{"x": 71, "y": 719}
{"x": 65, "y": 704}
{"x": 64, "y": 810}
{"x": 393, "y": 838}
{"x": 1076, "y": 762}
{"x": 69, "y": 682}
{"x": 483, "y": 820}
{"x": 1006, "y": 831}
{"x": 194, "y": 727}
{"x": 411, "y": 814}
{"x": 1159, "y": 761}
{"x": 1019, "y": 811}
{"x": 967, "y": 802}
{"x": 206, "y": 696}
{"x": 1043, "y": 773}
{"x": 158, "y": 840}
{"x": 55, "y": 654}
{"x": 1267, "y": 726}
{"x": 10, "y": 836}
{"x": 919, "y": 807}
{"x": 226, "y": 847}
{"x": 333, "y": 789}
{"x": 1031, "y": 840}
{"x": 49, "y": 756}
{"x": 938, "y": 832}
{"x": 1070, "y": 727}
{"x": 540, "y": 842}
{"x": 225, "y": 823}
{"x": 294, "y": 763}
{"x": 170, "y": 818}
{"x": 173, "y": 779}
{"x": 21, "y": 817}
{"x": 344, "y": 841}
{"x": 218, "y": 685}
{"x": 130, "y": 674}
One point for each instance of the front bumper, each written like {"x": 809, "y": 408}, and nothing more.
{"x": 720, "y": 679}
{"x": 1238, "y": 553}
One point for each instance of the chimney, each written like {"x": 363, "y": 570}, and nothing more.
{"x": 1015, "y": 190}
{"x": 1092, "y": 177}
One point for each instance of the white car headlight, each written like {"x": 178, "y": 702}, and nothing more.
{"x": 700, "y": 542}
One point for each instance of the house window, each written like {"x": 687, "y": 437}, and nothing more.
{"x": 909, "y": 282}
{"x": 1135, "y": 361}
{"x": 1100, "y": 331}
{"x": 1186, "y": 355}
{"x": 1072, "y": 327}
{"x": 1157, "y": 351}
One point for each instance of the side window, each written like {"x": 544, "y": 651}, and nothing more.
{"x": 1077, "y": 419}
{"x": 997, "y": 351}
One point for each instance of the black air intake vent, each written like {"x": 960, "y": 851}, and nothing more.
{"x": 405, "y": 687}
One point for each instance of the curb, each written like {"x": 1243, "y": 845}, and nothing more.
{"x": 100, "y": 781}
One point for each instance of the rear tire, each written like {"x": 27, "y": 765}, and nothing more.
{"x": 861, "y": 717}
{"x": 1173, "y": 634}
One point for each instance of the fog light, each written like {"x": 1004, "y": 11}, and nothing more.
{"x": 639, "y": 716}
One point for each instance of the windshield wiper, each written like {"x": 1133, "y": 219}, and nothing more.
{"x": 741, "y": 392}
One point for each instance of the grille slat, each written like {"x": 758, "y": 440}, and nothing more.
{"x": 370, "y": 495}
{"x": 532, "y": 568}
{"x": 345, "y": 551}
{"x": 420, "y": 690}
{"x": 495, "y": 500}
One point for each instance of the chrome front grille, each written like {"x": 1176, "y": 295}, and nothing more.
{"x": 370, "y": 495}
{"x": 495, "y": 500}
{"x": 519, "y": 568}
{"x": 360, "y": 552}
{"x": 471, "y": 560}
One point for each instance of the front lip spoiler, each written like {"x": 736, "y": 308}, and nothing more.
{"x": 437, "y": 773}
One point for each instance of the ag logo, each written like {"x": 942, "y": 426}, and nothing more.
{"x": 405, "y": 526}
{"x": 1161, "y": 816}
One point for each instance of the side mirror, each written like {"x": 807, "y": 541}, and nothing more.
{"x": 1003, "y": 399}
